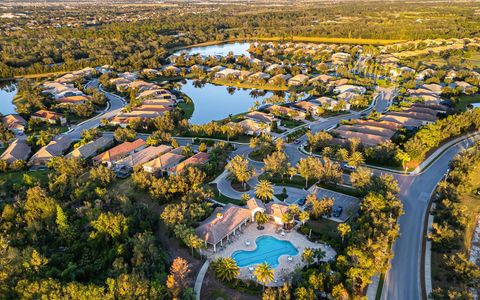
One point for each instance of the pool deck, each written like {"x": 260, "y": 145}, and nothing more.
{"x": 285, "y": 267}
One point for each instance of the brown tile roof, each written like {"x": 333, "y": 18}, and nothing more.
{"x": 198, "y": 159}
{"x": 17, "y": 150}
{"x": 261, "y": 117}
{"x": 120, "y": 151}
{"x": 144, "y": 155}
{"x": 163, "y": 162}
{"x": 276, "y": 209}
{"x": 12, "y": 119}
{"x": 222, "y": 222}
{"x": 73, "y": 99}
{"x": 46, "y": 114}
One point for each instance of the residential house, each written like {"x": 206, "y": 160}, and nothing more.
{"x": 49, "y": 117}
{"x": 198, "y": 159}
{"x": 297, "y": 80}
{"x": 81, "y": 99}
{"x": 286, "y": 111}
{"x": 227, "y": 73}
{"x": 17, "y": 150}
{"x": 253, "y": 128}
{"x": 91, "y": 148}
{"x": 15, "y": 123}
{"x": 55, "y": 148}
{"x": 341, "y": 58}
{"x": 137, "y": 159}
{"x": 306, "y": 106}
{"x": 162, "y": 164}
{"x": 109, "y": 157}
{"x": 280, "y": 79}
{"x": 259, "y": 116}
{"x": 349, "y": 88}
{"x": 259, "y": 75}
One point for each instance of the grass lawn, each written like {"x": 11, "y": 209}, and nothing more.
{"x": 12, "y": 182}
{"x": 187, "y": 108}
{"x": 281, "y": 197}
{"x": 12, "y": 178}
{"x": 325, "y": 230}
{"x": 289, "y": 123}
{"x": 217, "y": 196}
{"x": 341, "y": 189}
{"x": 465, "y": 100}
{"x": 297, "y": 181}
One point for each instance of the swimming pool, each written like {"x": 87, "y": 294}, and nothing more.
{"x": 269, "y": 249}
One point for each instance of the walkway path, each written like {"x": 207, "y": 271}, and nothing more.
{"x": 199, "y": 280}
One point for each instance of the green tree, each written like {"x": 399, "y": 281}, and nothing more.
{"x": 226, "y": 268}
{"x": 264, "y": 190}
{"x": 261, "y": 218}
{"x": 240, "y": 169}
{"x": 263, "y": 273}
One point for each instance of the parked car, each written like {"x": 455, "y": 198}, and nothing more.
{"x": 302, "y": 201}
{"x": 296, "y": 142}
{"x": 337, "y": 211}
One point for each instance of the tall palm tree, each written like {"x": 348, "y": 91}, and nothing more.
{"x": 261, "y": 218}
{"x": 263, "y": 273}
{"x": 264, "y": 190}
{"x": 226, "y": 268}
{"x": 308, "y": 256}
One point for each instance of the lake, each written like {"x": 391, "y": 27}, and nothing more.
{"x": 8, "y": 90}
{"x": 238, "y": 48}
{"x": 216, "y": 102}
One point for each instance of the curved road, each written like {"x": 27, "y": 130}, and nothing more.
{"x": 403, "y": 279}
{"x": 114, "y": 106}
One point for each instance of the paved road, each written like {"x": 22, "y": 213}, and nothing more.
{"x": 403, "y": 280}
{"x": 116, "y": 103}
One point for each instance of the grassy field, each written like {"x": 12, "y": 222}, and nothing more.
{"x": 465, "y": 100}
{"x": 325, "y": 230}
{"x": 187, "y": 108}
{"x": 12, "y": 182}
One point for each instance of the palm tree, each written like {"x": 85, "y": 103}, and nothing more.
{"x": 264, "y": 190}
{"x": 308, "y": 255}
{"x": 356, "y": 159}
{"x": 304, "y": 217}
{"x": 261, "y": 218}
{"x": 263, "y": 273}
{"x": 226, "y": 268}
{"x": 343, "y": 229}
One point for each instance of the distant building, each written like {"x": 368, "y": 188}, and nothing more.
{"x": 109, "y": 157}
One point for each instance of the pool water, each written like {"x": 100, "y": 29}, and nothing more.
{"x": 269, "y": 249}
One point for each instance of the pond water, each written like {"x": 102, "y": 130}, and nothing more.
{"x": 237, "y": 48}
{"x": 8, "y": 90}
{"x": 216, "y": 102}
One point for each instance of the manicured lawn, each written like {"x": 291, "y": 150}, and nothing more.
{"x": 12, "y": 178}
{"x": 187, "y": 108}
{"x": 325, "y": 230}
{"x": 464, "y": 101}
{"x": 289, "y": 123}
{"x": 297, "y": 181}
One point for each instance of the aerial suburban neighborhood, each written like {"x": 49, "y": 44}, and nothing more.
{"x": 240, "y": 150}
